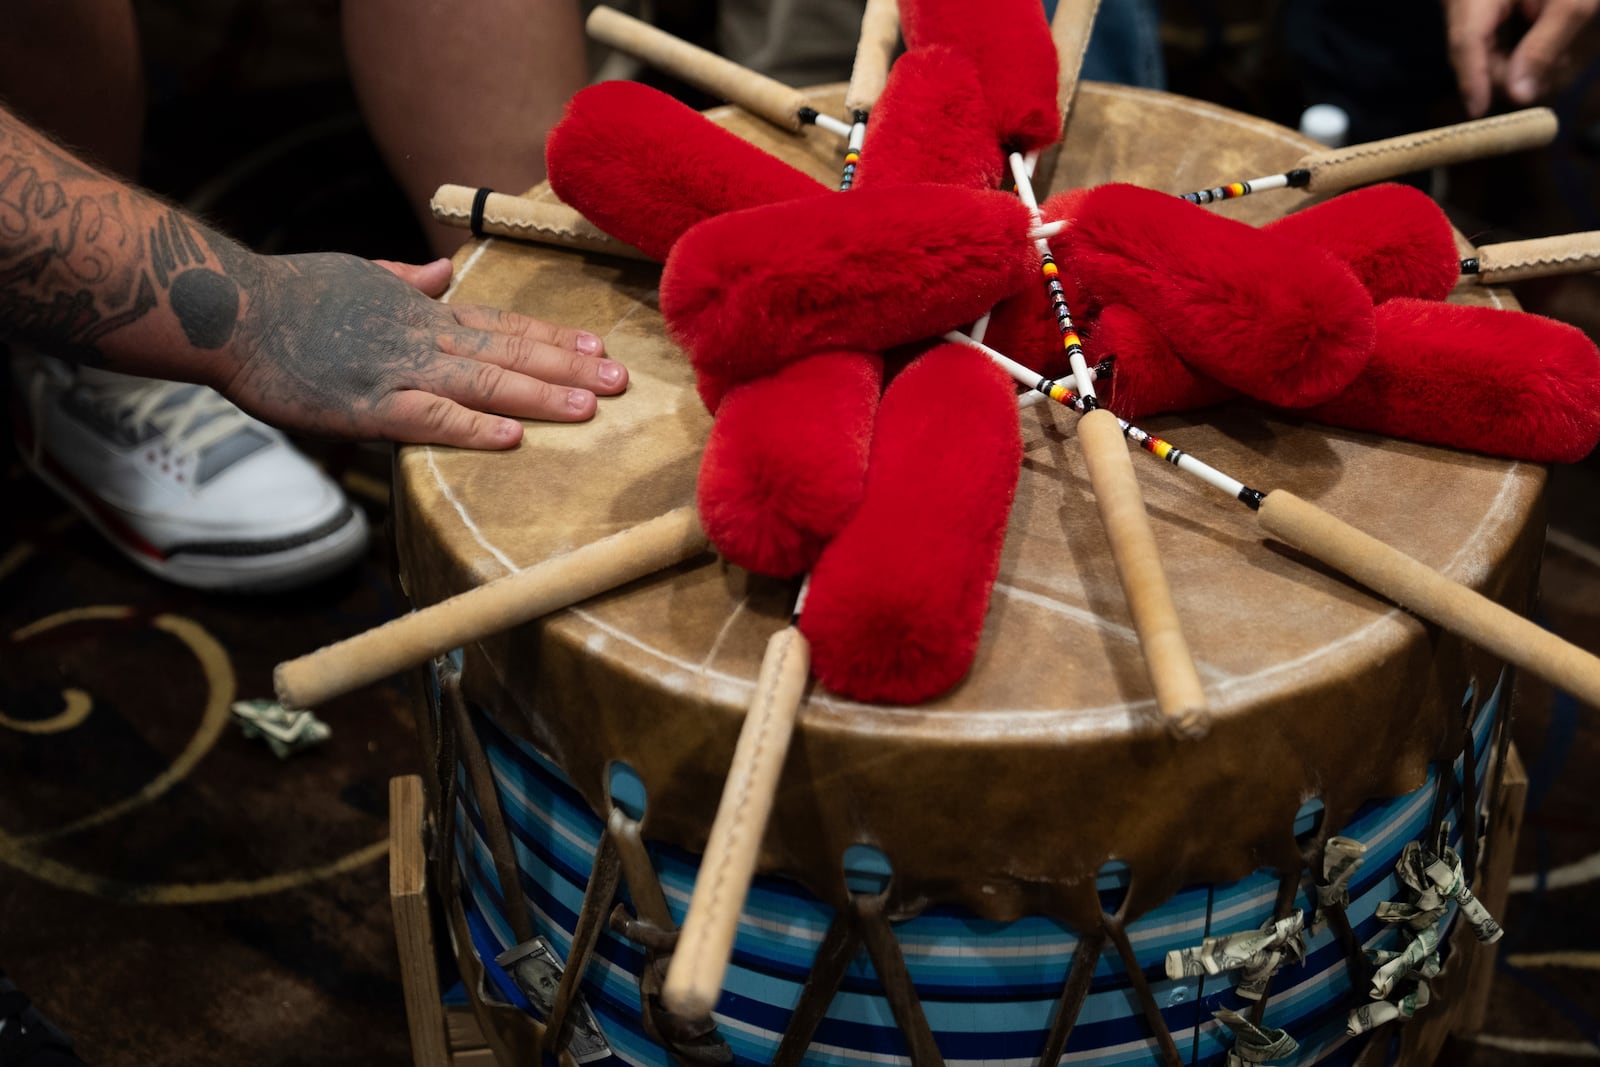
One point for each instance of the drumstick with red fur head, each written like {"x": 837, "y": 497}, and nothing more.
{"x": 751, "y": 290}
{"x": 785, "y": 462}
{"x": 1029, "y": 96}
{"x": 1395, "y": 238}
{"x": 645, "y": 168}
{"x": 894, "y": 610}
{"x": 1028, "y": 117}
{"x": 756, "y": 446}
{"x": 1269, "y": 317}
{"x": 1490, "y": 380}
{"x": 1009, "y": 43}
{"x": 1400, "y": 243}
{"x": 1383, "y": 569}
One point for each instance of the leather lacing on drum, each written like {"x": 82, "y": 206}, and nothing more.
{"x": 694, "y": 1040}
{"x": 865, "y": 923}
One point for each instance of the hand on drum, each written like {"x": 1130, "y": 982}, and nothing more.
{"x": 344, "y": 347}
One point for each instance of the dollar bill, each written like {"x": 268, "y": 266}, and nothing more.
{"x": 285, "y": 732}
{"x": 1414, "y": 957}
{"x": 536, "y": 970}
{"x": 1483, "y": 924}
{"x": 1375, "y": 1013}
{"x": 1445, "y": 875}
{"x": 1246, "y": 949}
{"x": 1254, "y": 1044}
{"x": 1340, "y": 858}
{"x": 1400, "y": 913}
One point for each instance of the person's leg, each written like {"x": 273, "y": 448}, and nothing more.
{"x": 72, "y": 67}
{"x": 463, "y": 92}
{"x": 161, "y": 468}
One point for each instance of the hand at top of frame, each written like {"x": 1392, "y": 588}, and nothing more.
{"x": 1482, "y": 64}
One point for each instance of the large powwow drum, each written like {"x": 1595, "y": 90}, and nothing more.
{"x": 1031, "y": 866}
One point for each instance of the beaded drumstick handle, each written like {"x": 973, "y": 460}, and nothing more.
{"x": 1385, "y": 570}
{"x": 516, "y": 598}
{"x": 1179, "y": 694}
{"x": 1338, "y": 169}
{"x": 768, "y": 98}
{"x": 880, "y": 31}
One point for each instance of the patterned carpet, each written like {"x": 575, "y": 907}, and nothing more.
{"x": 173, "y": 893}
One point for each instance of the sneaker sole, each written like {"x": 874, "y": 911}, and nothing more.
{"x": 232, "y": 567}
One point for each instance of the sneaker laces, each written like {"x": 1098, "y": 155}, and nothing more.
{"x": 189, "y": 424}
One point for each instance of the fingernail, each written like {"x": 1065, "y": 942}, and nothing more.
{"x": 508, "y": 431}
{"x": 588, "y": 343}
{"x": 1524, "y": 88}
{"x": 610, "y": 372}
{"x": 578, "y": 399}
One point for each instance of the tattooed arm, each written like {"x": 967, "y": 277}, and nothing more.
{"x": 96, "y": 271}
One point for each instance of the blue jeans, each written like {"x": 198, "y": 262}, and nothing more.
{"x": 1125, "y": 46}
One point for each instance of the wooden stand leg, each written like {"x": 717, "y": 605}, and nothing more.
{"x": 413, "y": 924}
{"x": 1504, "y": 829}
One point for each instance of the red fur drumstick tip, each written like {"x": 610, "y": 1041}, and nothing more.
{"x": 1146, "y": 377}
{"x": 932, "y": 124}
{"x": 1277, "y": 320}
{"x": 749, "y": 291}
{"x": 644, "y": 167}
{"x": 1009, "y": 43}
{"x": 1394, "y": 237}
{"x": 898, "y": 599}
{"x": 784, "y": 466}
{"x": 1502, "y": 382}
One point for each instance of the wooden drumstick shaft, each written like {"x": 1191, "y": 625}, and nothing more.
{"x": 705, "y": 943}
{"x": 1334, "y": 170}
{"x": 774, "y": 101}
{"x": 509, "y": 601}
{"x": 547, "y": 221}
{"x": 1179, "y": 694}
{"x": 1345, "y": 168}
{"x": 880, "y": 32}
{"x": 1541, "y": 257}
{"x": 1122, "y": 513}
{"x": 1423, "y": 591}
{"x": 1070, "y": 28}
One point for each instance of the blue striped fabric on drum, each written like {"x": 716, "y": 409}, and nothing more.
{"x": 988, "y": 988}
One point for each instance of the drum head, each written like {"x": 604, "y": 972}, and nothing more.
{"x": 1007, "y": 793}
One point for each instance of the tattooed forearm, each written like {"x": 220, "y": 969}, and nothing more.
{"x": 82, "y": 256}
{"x": 205, "y": 301}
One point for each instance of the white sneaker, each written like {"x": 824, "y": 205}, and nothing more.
{"x": 183, "y": 482}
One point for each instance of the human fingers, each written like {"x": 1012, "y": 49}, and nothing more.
{"x": 529, "y": 356}
{"x": 1528, "y": 73}
{"x": 421, "y": 417}
{"x": 431, "y": 279}
{"x": 1470, "y": 26}
{"x": 497, "y": 320}
{"x": 486, "y": 385}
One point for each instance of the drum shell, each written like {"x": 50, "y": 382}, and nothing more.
{"x": 1007, "y": 796}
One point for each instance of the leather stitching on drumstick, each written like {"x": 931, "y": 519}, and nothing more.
{"x": 1439, "y": 136}
{"x": 763, "y": 740}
